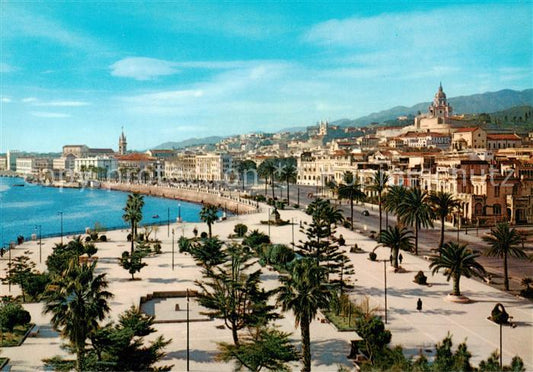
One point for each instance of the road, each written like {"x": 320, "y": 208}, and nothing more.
{"x": 428, "y": 238}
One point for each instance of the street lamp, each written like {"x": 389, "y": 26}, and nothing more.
{"x": 187, "y": 329}
{"x": 385, "y": 285}
{"x": 40, "y": 243}
{"x": 172, "y": 249}
{"x": 61, "y": 214}
{"x": 168, "y": 222}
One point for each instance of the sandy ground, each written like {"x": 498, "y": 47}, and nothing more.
{"x": 410, "y": 328}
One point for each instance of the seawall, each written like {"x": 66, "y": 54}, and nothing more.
{"x": 230, "y": 201}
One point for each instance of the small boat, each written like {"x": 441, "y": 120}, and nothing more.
{"x": 155, "y": 216}
{"x": 18, "y": 185}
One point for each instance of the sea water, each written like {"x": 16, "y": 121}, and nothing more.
{"x": 24, "y": 208}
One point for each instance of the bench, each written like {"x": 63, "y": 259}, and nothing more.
{"x": 34, "y": 331}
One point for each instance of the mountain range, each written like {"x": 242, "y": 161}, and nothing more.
{"x": 488, "y": 102}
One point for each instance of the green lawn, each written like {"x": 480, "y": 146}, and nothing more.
{"x": 13, "y": 339}
{"x": 341, "y": 322}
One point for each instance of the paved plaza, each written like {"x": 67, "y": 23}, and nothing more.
{"x": 412, "y": 329}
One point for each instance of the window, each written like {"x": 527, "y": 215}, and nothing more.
{"x": 497, "y": 210}
{"x": 496, "y": 191}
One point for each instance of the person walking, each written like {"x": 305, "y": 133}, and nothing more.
{"x": 390, "y": 259}
{"x": 419, "y": 304}
{"x": 400, "y": 257}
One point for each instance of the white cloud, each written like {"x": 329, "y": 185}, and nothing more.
{"x": 5, "y": 100}
{"x": 142, "y": 68}
{"x": 29, "y": 100}
{"x": 63, "y": 103}
{"x": 50, "y": 115}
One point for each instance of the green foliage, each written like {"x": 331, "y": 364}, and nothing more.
{"x": 184, "y": 244}
{"x": 255, "y": 239}
{"x": 132, "y": 262}
{"x": 133, "y": 214}
{"x": 18, "y": 271}
{"x": 208, "y": 214}
{"x": 36, "y": 285}
{"x": 457, "y": 260}
{"x": 240, "y": 229}
{"x": 396, "y": 239}
{"x": 415, "y": 210}
{"x": 279, "y": 255}
{"x": 121, "y": 347}
{"x": 372, "y": 256}
{"x": 350, "y": 189}
{"x": 62, "y": 254}
{"x": 232, "y": 292}
{"x": 208, "y": 252}
{"x": 157, "y": 248}
{"x": 504, "y": 242}
{"x": 77, "y": 300}
{"x": 13, "y": 314}
{"x": 268, "y": 348}
{"x": 375, "y": 337}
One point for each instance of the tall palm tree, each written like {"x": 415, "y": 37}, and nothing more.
{"x": 415, "y": 210}
{"x": 379, "y": 185}
{"x": 133, "y": 214}
{"x": 288, "y": 174}
{"x": 394, "y": 197}
{"x": 443, "y": 204}
{"x": 324, "y": 213}
{"x": 243, "y": 167}
{"x": 78, "y": 304}
{"x": 503, "y": 242}
{"x": 350, "y": 189}
{"x": 304, "y": 291}
{"x": 208, "y": 214}
{"x": 396, "y": 238}
{"x": 457, "y": 260}
{"x": 266, "y": 170}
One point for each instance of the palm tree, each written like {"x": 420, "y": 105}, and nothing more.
{"x": 350, "y": 189}
{"x": 133, "y": 214}
{"x": 266, "y": 170}
{"x": 243, "y": 167}
{"x": 379, "y": 185}
{"x": 304, "y": 292}
{"x": 443, "y": 204}
{"x": 503, "y": 242}
{"x": 416, "y": 211}
{"x": 324, "y": 213}
{"x": 288, "y": 174}
{"x": 78, "y": 304}
{"x": 208, "y": 214}
{"x": 457, "y": 260}
{"x": 393, "y": 199}
{"x": 396, "y": 238}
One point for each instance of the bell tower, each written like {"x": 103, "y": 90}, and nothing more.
{"x": 122, "y": 143}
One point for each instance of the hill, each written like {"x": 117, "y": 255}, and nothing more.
{"x": 189, "y": 142}
{"x": 473, "y": 104}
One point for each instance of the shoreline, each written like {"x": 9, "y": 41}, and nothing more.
{"x": 224, "y": 200}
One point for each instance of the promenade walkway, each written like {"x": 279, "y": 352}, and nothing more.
{"x": 412, "y": 329}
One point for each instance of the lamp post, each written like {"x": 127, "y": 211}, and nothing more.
{"x": 172, "y": 249}
{"x": 168, "y": 222}
{"x": 61, "y": 214}
{"x": 40, "y": 243}
{"x": 385, "y": 281}
{"x": 187, "y": 329}
{"x": 292, "y": 226}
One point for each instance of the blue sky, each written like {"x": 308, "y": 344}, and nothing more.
{"x": 76, "y": 72}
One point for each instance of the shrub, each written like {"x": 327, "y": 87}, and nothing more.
{"x": 256, "y": 238}
{"x": 372, "y": 256}
{"x": 184, "y": 245}
{"x": 346, "y": 224}
{"x": 296, "y": 206}
{"x": 203, "y": 235}
{"x": 87, "y": 239}
{"x": 157, "y": 248}
{"x": 260, "y": 198}
{"x": 420, "y": 278}
{"x": 240, "y": 229}
{"x": 103, "y": 238}
{"x": 279, "y": 254}
{"x": 13, "y": 314}
{"x": 94, "y": 235}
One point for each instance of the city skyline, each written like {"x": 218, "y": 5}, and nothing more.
{"x": 77, "y": 73}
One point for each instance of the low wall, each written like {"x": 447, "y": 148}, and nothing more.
{"x": 232, "y": 202}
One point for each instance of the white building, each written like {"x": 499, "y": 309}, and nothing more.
{"x": 105, "y": 164}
